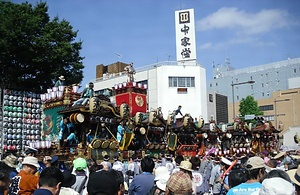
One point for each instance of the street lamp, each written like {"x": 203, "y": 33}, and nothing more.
{"x": 232, "y": 88}
{"x": 275, "y": 109}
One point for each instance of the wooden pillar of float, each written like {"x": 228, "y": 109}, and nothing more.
{"x": 133, "y": 94}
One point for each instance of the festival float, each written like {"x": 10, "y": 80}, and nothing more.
{"x": 33, "y": 120}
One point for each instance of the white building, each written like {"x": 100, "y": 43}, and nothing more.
{"x": 169, "y": 84}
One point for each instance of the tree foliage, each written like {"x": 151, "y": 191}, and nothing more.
{"x": 249, "y": 106}
{"x": 35, "y": 50}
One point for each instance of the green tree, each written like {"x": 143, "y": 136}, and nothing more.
{"x": 34, "y": 50}
{"x": 249, "y": 106}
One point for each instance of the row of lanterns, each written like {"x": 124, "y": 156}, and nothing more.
{"x": 53, "y": 93}
{"x": 57, "y": 93}
{"x": 130, "y": 84}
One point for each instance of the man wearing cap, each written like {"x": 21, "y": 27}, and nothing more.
{"x": 257, "y": 170}
{"x": 225, "y": 164}
{"x": 60, "y": 81}
{"x": 31, "y": 151}
{"x": 86, "y": 94}
{"x": 25, "y": 182}
{"x": 81, "y": 176}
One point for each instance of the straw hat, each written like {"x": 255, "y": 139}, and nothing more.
{"x": 186, "y": 165}
{"x": 294, "y": 175}
{"x": 295, "y": 157}
{"x": 61, "y": 77}
{"x": 10, "y": 161}
{"x": 279, "y": 155}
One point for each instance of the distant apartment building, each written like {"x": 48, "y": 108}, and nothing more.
{"x": 270, "y": 85}
{"x": 217, "y": 107}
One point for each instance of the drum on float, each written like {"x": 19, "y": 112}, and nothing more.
{"x": 76, "y": 118}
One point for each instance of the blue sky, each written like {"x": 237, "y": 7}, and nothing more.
{"x": 248, "y": 32}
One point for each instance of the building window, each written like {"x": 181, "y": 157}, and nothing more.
{"x": 251, "y": 86}
{"x": 251, "y": 78}
{"x": 262, "y": 85}
{"x": 263, "y": 94}
{"x": 237, "y": 97}
{"x": 210, "y": 85}
{"x": 295, "y": 70}
{"x": 216, "y": 84}
{"x": 211, "y": 98}
{"x": 266, "y": 107}
{"x": 181, "y": 81}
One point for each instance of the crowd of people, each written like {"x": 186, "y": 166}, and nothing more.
{"x": 256, "y": 174}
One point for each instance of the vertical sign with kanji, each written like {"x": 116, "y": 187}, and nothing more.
{"x": 185, "y": 35}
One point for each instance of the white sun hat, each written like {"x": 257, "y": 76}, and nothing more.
{"x": 161, "y": 177}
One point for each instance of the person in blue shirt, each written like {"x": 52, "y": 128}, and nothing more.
{"x": 72, "y": 138}
{"x": 120, "y": 132}
{"x": 142, "y": 183}
{"x": 176, "y": 112}
{"x": 86, "y": 94}
{"x": 65, "y": 131}
{"x": 121, "y": 129}
{"x": 257, "y": 170}
{"x": 89, "y": 137}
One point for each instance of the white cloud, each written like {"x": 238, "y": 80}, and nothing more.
{"x": 254, "y": 41}
{"x": 245, "y": 23}
{"x": 205, "y": 45}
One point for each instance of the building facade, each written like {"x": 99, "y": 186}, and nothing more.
{"x": 217, "y": 107}
{"x": 276, "y": 89}
{"x": 169, "y": 84}
{"x": 268, "y": 78}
